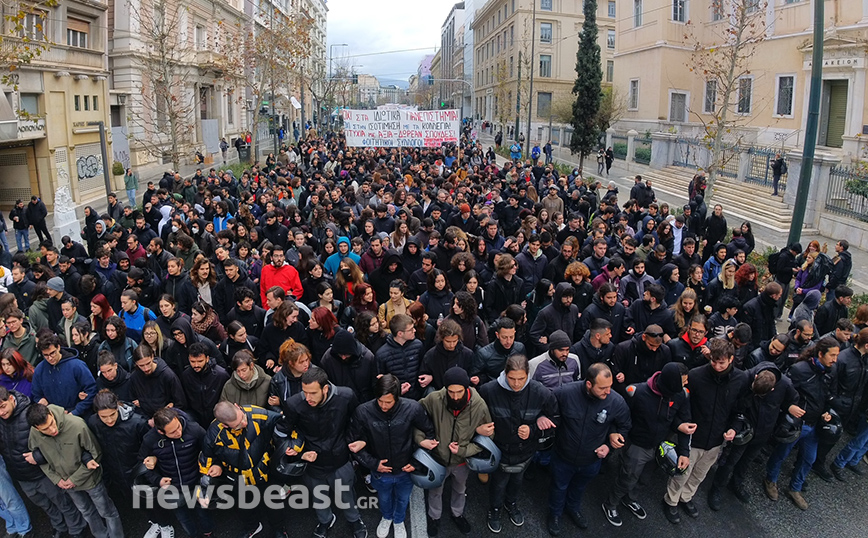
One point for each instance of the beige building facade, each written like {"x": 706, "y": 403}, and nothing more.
{"x": 654, "y": 52}
{"x": 503, "y": 33}
{"x": 49, "y": 135}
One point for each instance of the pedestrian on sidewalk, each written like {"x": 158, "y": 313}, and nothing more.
{"x": 610, "y": 158}
{"x": 131, "y": 183}
{"x": 601, "y": 160}
{"x": 224, "y": 147}
{"x": 36, "y": 213}
{"x": 779, "y": 168}
{"x": 3, "y": 229}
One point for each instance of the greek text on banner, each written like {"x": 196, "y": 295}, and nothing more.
{"x": 401, "y": 128}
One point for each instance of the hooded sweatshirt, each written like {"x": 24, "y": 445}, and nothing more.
{"x": 333, "y": 263}
{"x": 357, "y": 372}
{"x": 253, "y": 392}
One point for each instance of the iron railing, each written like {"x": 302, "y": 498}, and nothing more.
{"x": 848, "y": 193}
{"x": 619, "y": 147}
{"x": 760, "y": 170}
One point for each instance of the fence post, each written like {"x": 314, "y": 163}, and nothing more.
{"x": 631, "y": 145}
{"x": 661, "y": 150}
{"x": 609, "y": 133}
{"x": 819, "y": 191}
{"x": 744, "y": 162}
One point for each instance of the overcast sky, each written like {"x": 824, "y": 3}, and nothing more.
{"x": 374, "y": 26}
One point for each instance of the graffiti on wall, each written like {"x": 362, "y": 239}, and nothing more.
{"x": 88, "y": 166}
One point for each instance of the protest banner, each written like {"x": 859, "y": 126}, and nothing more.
{"x": 401, "y": 128}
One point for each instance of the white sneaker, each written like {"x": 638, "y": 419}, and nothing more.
{"x": 167, "y": 532}
{"x": 154, "y": 531}
{"x": 383, "y": 528}
{"x": 400, "y": 530}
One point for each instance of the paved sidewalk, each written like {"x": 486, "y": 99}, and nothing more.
{"x": 765, "y": 237}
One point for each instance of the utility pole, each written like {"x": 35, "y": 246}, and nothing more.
{"x": 810, "y": 128}
{"x": 517, "y": 99}
{"x": 303, "y": 130}
{"x": 530, "y": 88}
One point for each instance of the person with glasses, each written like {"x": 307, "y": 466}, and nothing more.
{"x": 691, "y": 347}
{"x": 63, "y": 380}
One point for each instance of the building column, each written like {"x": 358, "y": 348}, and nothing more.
{"x": 609, "y": 133}
{"x": 819, "y": 188}
{"x": 631, "y": 144}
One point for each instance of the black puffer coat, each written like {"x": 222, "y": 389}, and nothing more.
{"x": 402, "y": 362}
{"x": 14, "y": 435}
{"x": 120, "y": 444}
{"x": 177, "y": 459}
{"x": 389, "y": 435}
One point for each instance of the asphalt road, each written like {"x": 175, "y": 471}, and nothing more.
{"x": 836, "y": 510}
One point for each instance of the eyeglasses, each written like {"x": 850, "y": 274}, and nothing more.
{"x": 654, "y": 335}
{"x": 697, "y": 331}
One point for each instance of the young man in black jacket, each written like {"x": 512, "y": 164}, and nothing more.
{"x": 784, "y": 272}
{"x": 520, "y": 408}
{"x": 382, "y": 430}
{"x": 659, "y": 408}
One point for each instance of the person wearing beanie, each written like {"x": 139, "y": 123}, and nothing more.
{"x": 350, "y": 364}
{"x": 464, "y": 220}
{"x": 57, "y": 296}
{"x": 458, "y": 413}
{"x": 521, "y": 408}
{"x": 659, "y": 407}
{"x": 557, "y": 366}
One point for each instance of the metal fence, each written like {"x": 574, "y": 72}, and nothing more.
{"x": 730, "y": 162}
{"x": 619, "y": 147}
{"x": 848, "y": 193}
{"x": 642, "y": 151}
{"x": 687, "y": 153}
{"x": 760, "y": 171}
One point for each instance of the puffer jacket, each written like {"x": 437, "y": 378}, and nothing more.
{"x": 323, "y": 427}
{"x": 713, "y": 402}
{"x": 510, "y": 409}
{"x": 762, "y": 413}
{"x": 585, "y": 422}
{"x": 614, "y": 315}
{"x": 588, "y": 354}
{"x": 555, "y": 317}
{"x": 247, "y": 454}
{"x": 177, "y": 459}
{"x": 61, "y": 383}
{"x": 640, "y": 316}
{"x": 401, "y": 361}
{"x": 14, "y": 435}
{"x": 656, "y": 417}
{"x": 759, "y": 313}
{"x": 501, "y": 293}
{"x": 553, "y": 373}
{"x": 531, "y": 269}
{"x": 489, "y": 361}
{"x": 449, "y": 427}
{"x": 852, "y": 379}
{"x": 120, "y": 444}
{"x": 389, "y": 435}
{"x": 685, "y": 352}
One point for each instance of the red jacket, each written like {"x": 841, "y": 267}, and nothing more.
{"x": 286, "y": 277}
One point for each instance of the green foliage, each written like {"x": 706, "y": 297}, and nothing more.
{"x": 642, "y": 155}
{"x": 620, "y": 150}
{"x": 117, "y": 168}
{"x": 858, "y": 300}
{"x": 237, "y": 169}
{"x": 857, "y": 186}
{"x": 587, "y": 90}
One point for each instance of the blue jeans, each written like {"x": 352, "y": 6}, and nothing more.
{"x": 856, "y": 448}
{"x": 131, "y": 194}
{"x": 22, "y": 238}
{"x": 12, "y": 508}
{"x": 807, "y": 455}
{"x": 568, "y": 485}
{"x": 96, "y": 505}
{"x": 393, "y": 492}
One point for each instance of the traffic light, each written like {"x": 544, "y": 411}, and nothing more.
{"x": 442, "y": 104}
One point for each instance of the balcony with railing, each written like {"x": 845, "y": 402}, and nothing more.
{"x": 57, "y": 55}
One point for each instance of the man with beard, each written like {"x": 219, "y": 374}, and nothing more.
{"x": 277, "y": 273}
{"x": 321, "y": 415}
{"x": 458, "y": 413}
{"x": 273, "y": 231}
{"x": 225, "y": 293}
{"x": 593, "y": 419}
{"x": 557, "y": 366}
{"x": 203, "y": 382}
{"x": 489, "y": 361}
{"x": 652, "y": 310}
{"x": 520, "y": 408}
{"x": 606, "y": 306}
{"x": 595, "y": 346}
{"x": 447, "y": 352}
{"x": 638, "y": 358}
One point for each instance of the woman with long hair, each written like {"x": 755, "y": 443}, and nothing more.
{"x": 745, "y": 283}
{"x": 203, "y": 276}
{"x": 364, "y": 299}
{"x": 369, "y": 331}
{"x": 293, "y": 362}
{"x": 437, "y": 300}
{"x": 100, "y": 311}
{"x": 400, "y": 235}
{"x": 15, "y": 372}
{"x": 283, "y": 325}
{"x": 397, "y": 303}
{"x": 465, "y": 313}
{"x": 694, "y": 282}
{"x": 349, "y": 276}
{"x": 86, "y": 342}
{"x": 204, "y": 320}
{"x": 236, "y": 340}
{"x": 329, "y": 247}
{"x": 747, "y": 234}
{"x": 472, "y": 286}
{"x": 665, "y": 236}
{"x": 539, "y": 298}
{"x": 425, "y": 330}
{"x": 684, "y": 309}
{"x": 152, "y": 335}
{"x": 316, "y": 276}
{"x": 460, "y": 263}
{"x": 321, "y": 332}
{"x": 116, "y": 341}
{"x": 326, "y": 298}
{"x": 724, "y": 284}
{"x": 578, "y": 274}
{"x": 860, "y": 320}
{"x": 245, "y": 253}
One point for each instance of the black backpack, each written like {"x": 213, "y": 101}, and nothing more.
{"x": 774, "y": 258}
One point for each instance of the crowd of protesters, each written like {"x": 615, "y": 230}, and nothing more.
{"x": 338, "y": 307}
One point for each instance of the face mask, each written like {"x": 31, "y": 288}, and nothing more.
{"x": 194, "y": 230}
{"x": 175, "y": 229}
{"x": 346, "y": 272}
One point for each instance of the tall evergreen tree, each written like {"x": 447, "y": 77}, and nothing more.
{"x": 587, "y": 90}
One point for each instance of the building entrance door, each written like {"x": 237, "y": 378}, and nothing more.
{"x": 833, "y": 113}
